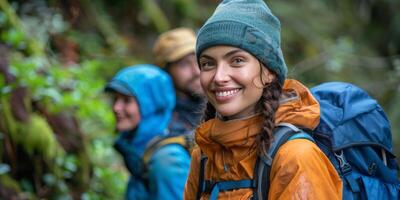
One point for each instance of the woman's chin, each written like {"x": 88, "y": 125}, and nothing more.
{"x": 121, "y": 127}
{"x": 227, "y": 115}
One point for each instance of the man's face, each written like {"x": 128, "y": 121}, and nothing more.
{"x": 186, "y": 75}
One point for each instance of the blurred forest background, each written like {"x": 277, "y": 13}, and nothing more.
{"x": 56, "y": 125}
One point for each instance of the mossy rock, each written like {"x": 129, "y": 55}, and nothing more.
{"x": 36, "y": 136}
{"x": 9, "y": 183}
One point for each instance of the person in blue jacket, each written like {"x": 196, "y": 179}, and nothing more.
{"x": 144, "y": 99}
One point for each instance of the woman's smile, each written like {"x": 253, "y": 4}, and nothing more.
{"x": 225, "y": 94}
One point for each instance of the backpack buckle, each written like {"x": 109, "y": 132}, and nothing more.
{"x": 345, "y": 167}
{"x": 208, "y": 186}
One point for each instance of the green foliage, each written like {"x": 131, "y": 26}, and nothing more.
{"x": 6, "y": 120}
{"x": 153, "y": 11}
{"x": 77, "y": 89}
{"x": 14, "y": 38}
{"x": 10, "y": 183}
{"x": 109, "y": 185}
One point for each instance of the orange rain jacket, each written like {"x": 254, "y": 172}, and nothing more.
{"x": 300, "y": 170}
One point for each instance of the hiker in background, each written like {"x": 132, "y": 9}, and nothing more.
{"x": 243, "y": 75}
{"x": 174, "y": 52}
{"x": 144, "y": 100}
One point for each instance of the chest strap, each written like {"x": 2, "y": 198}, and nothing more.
{"x": 214, "y": 188}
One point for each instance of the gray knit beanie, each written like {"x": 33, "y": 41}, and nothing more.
{"x": 249, "y": 25}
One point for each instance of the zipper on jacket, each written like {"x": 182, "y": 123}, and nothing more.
{"x": 226, "y": 167}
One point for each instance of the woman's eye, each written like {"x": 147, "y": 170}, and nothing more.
{"x": 237, "y": 60}
{"x": 128, "y": 100}
{"x": 206, "y": 65}
{"x": 113, "y": 100}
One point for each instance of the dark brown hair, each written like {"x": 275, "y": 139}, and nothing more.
{"x": 209, "y": 112}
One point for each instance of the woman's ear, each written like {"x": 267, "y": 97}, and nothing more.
{"x": 267, "y": 76}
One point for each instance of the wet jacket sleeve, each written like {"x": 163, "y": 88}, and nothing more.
{"x": 168, "y": 171}
{"x": 300, "y": 170}
{"x": 193, "y": 178}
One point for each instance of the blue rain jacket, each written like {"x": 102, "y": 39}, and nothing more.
{"x": 186, "y": 116}
{"x": 168, "y": 168}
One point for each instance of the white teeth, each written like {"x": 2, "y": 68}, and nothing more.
{"x": 226, "y": 93}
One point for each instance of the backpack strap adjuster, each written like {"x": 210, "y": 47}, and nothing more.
{"x": 345, "y": 167}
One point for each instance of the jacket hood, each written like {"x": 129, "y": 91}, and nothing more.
{"x": 153, "y": 89}
{"x": 298, "y": 106}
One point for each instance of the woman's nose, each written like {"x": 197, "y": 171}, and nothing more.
{"x": 118, "y": 105}
{"x": 222, "y": 73}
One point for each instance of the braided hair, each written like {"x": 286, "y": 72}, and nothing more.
{"x": 269, "y": 103}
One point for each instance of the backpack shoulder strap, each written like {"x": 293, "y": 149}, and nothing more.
{"x": 282, "y": 133}
{"x": 202, "y": 185}
{"x": 185, "y": 140}
{"x": 302, "y": 135}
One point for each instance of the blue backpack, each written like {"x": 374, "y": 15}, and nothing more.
{"x": 354, "y": 133}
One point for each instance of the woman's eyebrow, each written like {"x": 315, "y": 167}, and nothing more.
{"x": 232, "y": 52}
{"x": 206, "y": 56}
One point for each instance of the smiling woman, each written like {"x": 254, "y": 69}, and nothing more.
{"x": 243, "y": 74}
